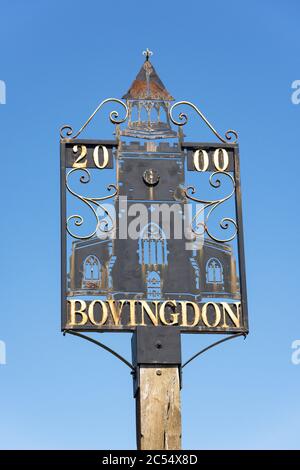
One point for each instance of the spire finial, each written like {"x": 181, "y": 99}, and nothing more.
{"x": 147, "y": 53}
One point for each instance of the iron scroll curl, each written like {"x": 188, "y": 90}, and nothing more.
{"x": 66, "y": 131}
{"x": 212, "y": 205}
{"x": 183, "y": 119}
{"x": 105, "y": 225}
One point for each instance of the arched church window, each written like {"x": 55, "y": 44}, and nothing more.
{"x": 91, "y": 269}
{"x": 153, "y": 245}
{"x": 163, "y": 113}
{"x": 133, "y": 112}
{"x": 214, "y": 271}
{"x": 153, "y": 285}
{"x": 157, "y": 107}
{"x": 144, "y": 113}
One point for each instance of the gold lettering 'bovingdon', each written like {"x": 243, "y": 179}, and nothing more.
{"x": 131, "y": 313}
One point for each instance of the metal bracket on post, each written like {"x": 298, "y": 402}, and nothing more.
{"x": 158, "y": 346}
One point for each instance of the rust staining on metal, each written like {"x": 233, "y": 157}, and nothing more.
{"x": 148, "y": 85}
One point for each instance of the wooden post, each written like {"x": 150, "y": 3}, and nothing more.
{"x": 158, "y": 408}
{"x": 156, "y": 353}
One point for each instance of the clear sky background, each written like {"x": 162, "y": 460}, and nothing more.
{"x": 237, "y": 61}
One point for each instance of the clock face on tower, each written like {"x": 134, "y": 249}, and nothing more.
{"x": 151, "y": 177}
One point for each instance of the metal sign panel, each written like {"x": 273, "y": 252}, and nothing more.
{"x": 152, "y": 235}
{"x": 151, "y": 225}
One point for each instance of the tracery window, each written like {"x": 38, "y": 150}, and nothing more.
{"x": 153, "y": 246}
{"x": 214, "y": 271}
{"x": 91, "y": 272}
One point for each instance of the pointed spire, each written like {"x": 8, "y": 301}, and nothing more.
{"x": 147, "y": 84}
{"x": 148, "y": 104}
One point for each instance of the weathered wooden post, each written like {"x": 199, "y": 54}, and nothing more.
{"x": 157, "y": 358}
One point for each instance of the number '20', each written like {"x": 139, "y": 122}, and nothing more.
{"x": 81, "y": 160}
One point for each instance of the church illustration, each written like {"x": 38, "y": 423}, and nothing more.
{"x": 151, "y": 170}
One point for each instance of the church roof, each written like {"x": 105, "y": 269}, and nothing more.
{"x": 147, "y": 85}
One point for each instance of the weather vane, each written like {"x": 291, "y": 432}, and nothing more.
{"x": 147, "y": 53}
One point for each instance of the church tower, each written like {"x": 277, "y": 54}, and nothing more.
{"x": 150, "y": 172}
{"x": 148, "y": 257}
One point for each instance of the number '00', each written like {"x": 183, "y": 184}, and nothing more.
{"x": 81, "y": 160}
{"x": 201, "y": 160}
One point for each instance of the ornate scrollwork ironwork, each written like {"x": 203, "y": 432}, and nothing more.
{"x": 105, "y": 225}
{"x": 66, "y": 131}
{"x": 183, "y": 119}
{"x": 213, "y": 204}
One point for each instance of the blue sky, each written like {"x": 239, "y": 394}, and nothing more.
{"x": 237, "y": 61}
